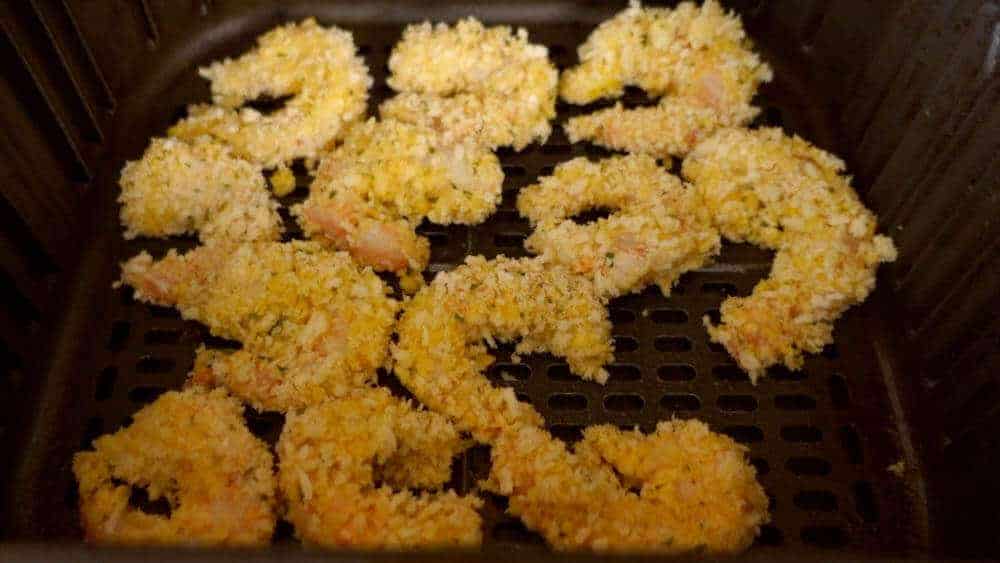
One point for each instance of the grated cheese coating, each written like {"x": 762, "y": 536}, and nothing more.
{"x": 333, "y": 454}
{"x": 192, "y": 449}
{"x": 312, "y": 323}
{"x": 199, "y": 187}
{"x": 783, "y": 193}
{"x": 469, "y": 81}
{"x": 441, "y": 353}
{"x": 697, "y": 60}
{"x": 372, "y": 192}
{"x": 657, "y": 231}
{"x": 697, "y": 490}
{"x": 317, "y": 66}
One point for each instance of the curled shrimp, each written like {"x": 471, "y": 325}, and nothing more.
{"x": 332, "y": 454}
{"x": 697, "y": 60}
{"x": 780, "y": 192}
{"x": 193, "y": 449}
{"x": 312, "y": 323}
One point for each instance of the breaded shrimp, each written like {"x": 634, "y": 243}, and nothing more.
{"x": 192, "y": 449}
{"x": 473, "y": 82}
{"x": 698, "y": 60}
{"x": 372, "y": 192}
{"x": 780, "y": 192}
{"x": 312, "y": 323}
{"x": 441, "y": 352}
{"x": 658, "y": 229}
{"x": 332, "y": 454}
{"x": 696, "y": 489}
{"x": 318, "y": 66}
{"x": 198, "y": 187}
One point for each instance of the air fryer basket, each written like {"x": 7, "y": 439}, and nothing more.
{"x": 906, "y": 92}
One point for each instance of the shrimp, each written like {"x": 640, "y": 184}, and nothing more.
{"x": 440, "y": 352}
{"x": 332, "y": 454}
{"x": 779, "y": 192}
{"x": 318, "y": 67}
{"x": 371, "y": 192}
{"x": 473, "y": 82}
{"x": 658, "y": 229}
{"x": 696, "y": 489}
{"x": 198, "y": 187}
{"x": 193, "y": 449}
{"x": 698, "y": 61}
{"x": 312, "y": 323}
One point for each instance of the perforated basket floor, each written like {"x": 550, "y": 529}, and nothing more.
{"x": 821, "y": 438}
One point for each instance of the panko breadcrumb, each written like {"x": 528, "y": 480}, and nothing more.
{"x": 697, "y": 491}
{"x": 372, "y": 192}
{"x": 698, "y": 60}
{"x": 780, "y": 192}
{"x": 443, "y": 332}
{"x": 317, "y": 66}
{"x": 312, "y": 323}
{"x": 470, "y": 81}
{"x": 192, "y": 449}
{"x": 199, "y": 187}
{"x": 658, "y": 228}
{"x": 332, "y": 454}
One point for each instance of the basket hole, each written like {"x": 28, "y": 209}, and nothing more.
{"x": 149, "y": 364}
{"x": 781, "y": 373}
{"x": 730, "y": 372}
{"x": 818, "y": 501}
{"x": 546, "y": 171}
{"x": 672, "y": 343}
{"x": 718, "y": 288}
{"x": 558, "y": 150}
{"x": 216, "y": 343}
{"x": 736, "y": 403}
{"x": 514, "y": 531}
{"x": 830, "y": 351}
{"x": 795, "y": 402}
{"x": 624, "y": 402}
{"x": 567, "y": 402}
{"x": 569, "y": 433}
{"x": 624, "y": 372}
{"x": 120, "y": 331}
{"x": 851, "y": 442}
{"x": 801, "y": 434}
{"x": 626, "y": 344}
{"x": 560, "y": 372}
{"x": 744, "y": 434}
{"x": 145, "y": 394}
{"x": 507, "y": 240}
{"x": 770, "y": 536}
{"x": 508, "y": 216}
{"x": 839, "y": 395}
{"x": 523, "y": 397}
{"x": 139, "y": 499}
{"x": 514, "y": 171}
{"x": 267, "y": 104}
{"x": 761, "y": 465}
{"x": 437, "y": 239}
{"x": 716, "y": 347}
{"x": 621, "y": 316}
{"x": 714, "y": 316}
{"x": 675, "y": 372}
{"x": 162, "y": 336}
{"x": 808, "y": 466}
{"x": 824, "y": 536}
{"x": 864, "y": 501}
{"x": 93, "y": 429}
{"x": 508, "y": 372}
{"x": 680, "y": 402}
{"x": 264, "y": 425}
{"x": 668, "y": 316}
{"x": 106, "y": 383}
{"x": 591, "y": 215}
{"x": 158, "y": 312}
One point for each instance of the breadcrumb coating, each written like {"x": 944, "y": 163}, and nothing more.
{"x": 781, "y": 192}
{"x": 312, "y": 323}
{"x": 333, "y": 454}
{"x": 372, "y": 192}
{"x": 469, "y": 81}
{"x": 657, "y": 231}
{"x": 192, "y": 449}
{"x": 199, "y": 187}
{"x": 318, "y": 66}
{"x": 697, "y": 490}
{"x": 697, "y": 60}
{"x": 441, "y": 353}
